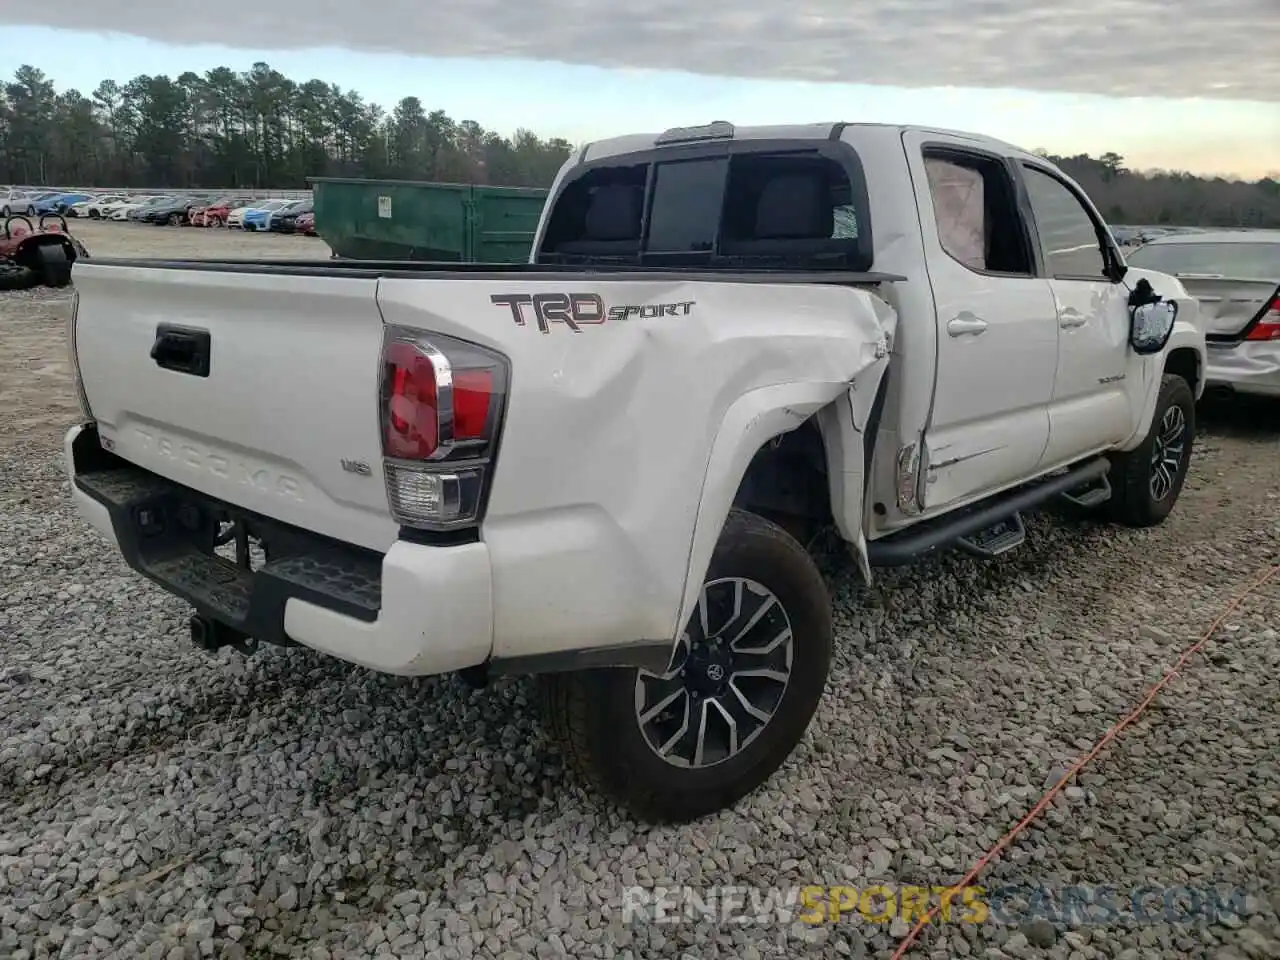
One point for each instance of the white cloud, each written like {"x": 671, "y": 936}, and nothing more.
{"x": 1166, "y": 48}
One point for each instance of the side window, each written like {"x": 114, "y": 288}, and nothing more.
{"x": 1068, "y": 234}
{"x": 780, "y": 198}
{"x": 599, "y": 213}
{"x": 976, "y": 212}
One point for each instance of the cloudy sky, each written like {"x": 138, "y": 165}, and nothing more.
{"x": 1168, "y": 83}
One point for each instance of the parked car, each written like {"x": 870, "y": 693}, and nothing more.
{"x": 63, "y": 202}
{"x": 306, "y": 224}
{"x": 17, "y": 202}
{"x": 175, "y": 212}
{"x": 258, "y": 216}
{"x": 94, "y": 206}
{"x": 127, "y": 211}
{"x": 286, "y": 219}
{"x": 215, "y": 214}
{"x": 696, "y": 388}
{"x": 1236, "y": 276}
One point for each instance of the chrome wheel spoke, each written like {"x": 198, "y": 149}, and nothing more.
{"x": 749, "y": 708}
{"x": 677, "y": 694}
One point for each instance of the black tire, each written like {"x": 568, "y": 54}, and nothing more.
{"x": 594, "y": 717}
{"x": 15, "y": 277}
{"x": 95, "y": 215}
{"x": 52, "y": 265}
{"x": 1134, "y": 501}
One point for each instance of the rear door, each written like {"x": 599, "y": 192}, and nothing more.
{"x": 997, "y": 333}
{"x": 259, "y": 389}
{"x": 1091, "y": 406}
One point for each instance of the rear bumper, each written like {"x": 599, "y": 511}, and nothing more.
{"x": 1245, "y": 367}
{"x": 414, "y": 610}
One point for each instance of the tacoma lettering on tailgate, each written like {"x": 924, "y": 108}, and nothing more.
{"x": 578, "y": 310}
{"x": 227, "y": 468}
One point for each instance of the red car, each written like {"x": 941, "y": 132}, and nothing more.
{"x": 306, "y": 224}
{"x": 215, "y": 215}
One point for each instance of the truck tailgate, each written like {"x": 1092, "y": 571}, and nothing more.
{"x": 284, "y": 421}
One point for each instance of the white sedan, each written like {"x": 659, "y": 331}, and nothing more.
{"x": 93, "y": 207}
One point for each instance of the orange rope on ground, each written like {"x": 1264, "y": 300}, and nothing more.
{"x": 1258, "y": 581}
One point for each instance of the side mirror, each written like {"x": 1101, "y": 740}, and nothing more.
{"x": 1151, "y": 325}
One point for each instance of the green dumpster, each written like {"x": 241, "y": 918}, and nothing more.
{"x": 414, "y": 220}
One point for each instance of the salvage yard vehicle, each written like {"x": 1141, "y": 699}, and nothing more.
{"x": 602, "y": 466}
{"x": 1235, "y": 274}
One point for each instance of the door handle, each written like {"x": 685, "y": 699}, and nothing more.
{"x": 966, "y": 323}
{"x": 1070, "y": 321}
{"x": 181, "y": 349}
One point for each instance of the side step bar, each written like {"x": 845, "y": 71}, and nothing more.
{"x": 1001, "y": 537}
{"x": 907, "y": 546}
{"x": 1091, "y": 496}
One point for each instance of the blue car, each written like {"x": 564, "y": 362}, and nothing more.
{"x": 256, "y": 219}
{"x": 259, "y": 218}
{"x": 57, "y": 202}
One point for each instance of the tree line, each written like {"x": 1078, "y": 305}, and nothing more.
{"x": 256, "y": 129}
{"x": 260, "y": 129}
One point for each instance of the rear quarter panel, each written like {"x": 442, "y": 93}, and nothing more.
{"x": 624, "y": 442}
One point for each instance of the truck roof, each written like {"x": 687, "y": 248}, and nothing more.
{"x": 640, "y": 142}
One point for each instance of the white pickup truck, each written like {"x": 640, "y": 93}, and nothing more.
{"x": 602, "y": 466}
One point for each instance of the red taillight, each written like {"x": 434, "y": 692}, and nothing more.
{"x": 413, "y": 422}
{"x": 441, "y": 405}
{"x": 472, "y": 394}
{"x": 1268, "y": 325}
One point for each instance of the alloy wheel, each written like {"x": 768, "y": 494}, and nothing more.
{"x": 726, "y": 680}
{"x": 1167, "y": 452}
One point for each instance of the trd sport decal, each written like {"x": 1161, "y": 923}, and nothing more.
{"x": 578, "y": 310}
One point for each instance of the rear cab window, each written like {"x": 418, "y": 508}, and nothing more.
{"x": 746, "y": 204}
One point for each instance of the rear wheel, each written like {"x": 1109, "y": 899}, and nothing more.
{"x": 740, "y": 691}
{"x": 1147, "y": 480}
{"x": 175, "y": 219}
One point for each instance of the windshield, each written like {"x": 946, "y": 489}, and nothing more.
{"x": 1239, "y": 261}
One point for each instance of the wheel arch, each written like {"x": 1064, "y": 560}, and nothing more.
{"x": 749, "y": 425}
{"x": 796, "y": 449}
{"x": 1186, "y": 362}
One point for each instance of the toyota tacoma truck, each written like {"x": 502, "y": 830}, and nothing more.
{"x": 603, "y": 466}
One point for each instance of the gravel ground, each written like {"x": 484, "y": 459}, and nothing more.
{"x": 157, "y": 802}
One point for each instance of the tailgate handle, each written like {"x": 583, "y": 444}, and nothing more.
{"x": 182, "y": 349}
